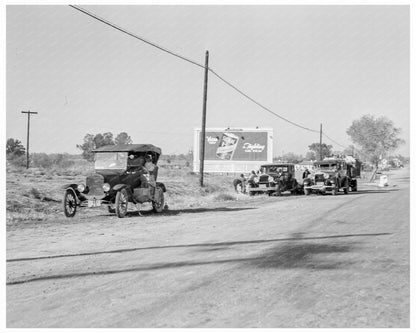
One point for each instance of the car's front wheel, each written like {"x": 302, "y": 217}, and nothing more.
{"x": 70, "y": 203}
{"x": 158, "y": 207}
{"x": 122, "y": 199}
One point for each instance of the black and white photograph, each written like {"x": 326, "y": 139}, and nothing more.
{"x": 235, "y": 165}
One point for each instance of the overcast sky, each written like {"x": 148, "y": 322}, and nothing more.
{"x": 309, "y": 64}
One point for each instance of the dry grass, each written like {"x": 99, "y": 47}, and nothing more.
{"x": 35, "y": 194}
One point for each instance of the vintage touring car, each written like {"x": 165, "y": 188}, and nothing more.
{"x": 125, "y": 177}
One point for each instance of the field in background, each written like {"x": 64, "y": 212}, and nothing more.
{"x": 35, "y": 194}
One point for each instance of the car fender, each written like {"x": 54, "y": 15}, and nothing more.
{"x": 161, "y": 185}
{"x": 73, "y": 186}
{"x": 307, "y": 182}
{"x": 118, "y": 187}
{"x": 73, "y": 189}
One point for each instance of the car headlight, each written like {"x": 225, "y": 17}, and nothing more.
{"x": 81, "y": 188}
{"x": 106, "y": 187}
{"x": 326, "y": 176}
{"x": 270, "y": 179}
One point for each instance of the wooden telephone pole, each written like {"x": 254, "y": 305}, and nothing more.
{"x": 28, "y": 129}
{"x": 320, "y": 144}
{"x": 204, "y": 116}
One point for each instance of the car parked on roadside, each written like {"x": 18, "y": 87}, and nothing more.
{"x": 122, "y": 179}
{"x": 275, "y": 178}
{"x": 330, "y": 175}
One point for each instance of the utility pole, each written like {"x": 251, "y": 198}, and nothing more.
{"x": 320, "y": 144}
{"x": 28, "y": 129}
{"x": 204, "y": 116}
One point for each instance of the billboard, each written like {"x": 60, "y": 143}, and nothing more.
{"x": 234, "y": 150}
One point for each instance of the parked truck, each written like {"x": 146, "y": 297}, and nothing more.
{"x": 333, "y": 175}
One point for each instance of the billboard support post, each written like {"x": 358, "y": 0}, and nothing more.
{"x": 204, "y": 116}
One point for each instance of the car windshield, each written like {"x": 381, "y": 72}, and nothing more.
{"x": 274, "y": 169}
{"x": 111, "y": 160}
{"x": 327, "y": 166}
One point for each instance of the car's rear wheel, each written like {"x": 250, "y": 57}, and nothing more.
{"x": 354, "y": 186}
{"x": 70, "y": 203}
{"x": 122, "y": 199}
{"x": 158, "y": 207}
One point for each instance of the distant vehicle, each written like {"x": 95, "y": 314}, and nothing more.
{"x": 274, "y": 179}
{"x": 120, "y": 179}
{"x": 333, "y": 175}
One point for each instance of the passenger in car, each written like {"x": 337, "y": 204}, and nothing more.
{"x": 137, "y": 166}
{"x": 152, "y": 169}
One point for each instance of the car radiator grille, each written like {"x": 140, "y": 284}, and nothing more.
{"x": 95, "y": 185}
{"x": 319, "y": 178}
{"x": 264, "y": 179}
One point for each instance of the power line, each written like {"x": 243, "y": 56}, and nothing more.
{"x": 96, "y": 17}
{"x": 260, "y": 105}
{"x": 356, "y": 149}
{"x": 334, "y": 141}
{"x": 82, "y": 10}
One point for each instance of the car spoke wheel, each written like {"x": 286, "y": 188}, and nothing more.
{"x": 121, "y": 203}
{"x": 158, "y": 207}
{"x": 70, "y": 203}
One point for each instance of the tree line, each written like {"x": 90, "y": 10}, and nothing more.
{"x": 375, "y": 138}
{"x": 92, "y": 142}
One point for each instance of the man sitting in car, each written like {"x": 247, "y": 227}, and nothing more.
{"x": 136, "y": 165}
{"x": 152, "y": 169}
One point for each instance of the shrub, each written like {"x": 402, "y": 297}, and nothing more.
{"x": 16, "y": 160}
{"x": 224, "y": 197}
{"x": 42, "y": 160}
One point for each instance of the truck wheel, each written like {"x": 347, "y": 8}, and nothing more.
{"x": 70, "y": 203}
{"x": 346, "y": 190}
{"x": 159, "y": 207}
{"x": 121, "y": 203}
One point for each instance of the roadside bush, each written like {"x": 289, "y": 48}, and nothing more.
{"x": 16, "y": 160}
{"x": 43, "y": 160}
{"x": 224, "y": 197}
